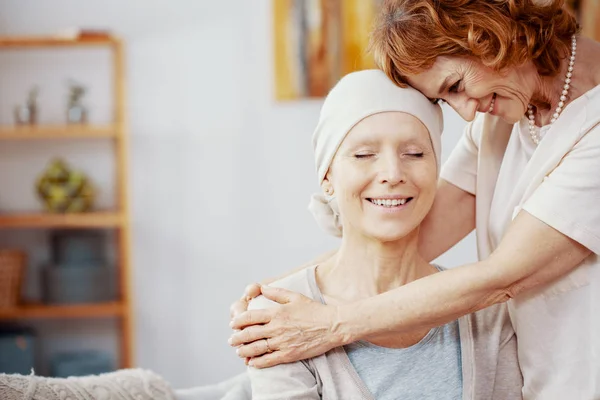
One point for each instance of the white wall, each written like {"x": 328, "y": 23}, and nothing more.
{"x": 220, "y": 173}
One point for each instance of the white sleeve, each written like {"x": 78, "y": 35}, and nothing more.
{"x": 569, "y": 197}
{"x": 461, "y": 167}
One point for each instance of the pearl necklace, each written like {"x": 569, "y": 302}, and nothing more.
{"x": 533, "y": 130}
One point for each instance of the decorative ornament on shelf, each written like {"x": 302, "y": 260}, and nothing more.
{"x": 76, "y": 111}
{"x": 26, "y": 114}
{"x": 63, "y": 190}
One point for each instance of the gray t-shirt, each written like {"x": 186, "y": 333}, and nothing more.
{"x": 431, "y": 369}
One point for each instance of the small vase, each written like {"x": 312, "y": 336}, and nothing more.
{"x": 25, "y": 115}
{"x": 77, "y": 114}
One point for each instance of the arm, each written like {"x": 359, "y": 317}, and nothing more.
{"x": 451, "y": 218}
{"x": 531, "y": 254}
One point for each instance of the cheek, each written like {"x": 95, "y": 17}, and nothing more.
{"x": 426, "y": 181}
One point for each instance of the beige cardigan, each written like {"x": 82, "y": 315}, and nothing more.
{"x": 488, "y": 347}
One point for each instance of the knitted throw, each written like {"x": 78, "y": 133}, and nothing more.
{"x": 128, "y": 384}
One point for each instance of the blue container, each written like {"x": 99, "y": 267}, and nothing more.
{"x": 80, "y": 363}
{"x": 17, "y": 351}
{"x": 73, "y": 284}
{"x": 78, "y": 247}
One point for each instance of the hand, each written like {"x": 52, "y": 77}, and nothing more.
{"x": 296, "y": 329}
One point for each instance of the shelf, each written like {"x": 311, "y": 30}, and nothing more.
{"x": 113, "y": 309}
{"x": 45, "y": 220}
{"x": 41, "y": 132}
{"x": 46, "y": 41}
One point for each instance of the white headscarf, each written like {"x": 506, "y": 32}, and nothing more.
{"x": 355, "y": 97}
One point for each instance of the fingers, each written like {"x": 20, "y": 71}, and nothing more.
{"x": 252, "y": 291}
{"x": 240, "y": 306}
{"x": 255, "y": 349}
{"x": 279, "y": 295}
{"x": 249, "y": 335}
{"x": 268, "y": 360}
{"x": 249, "y": 318}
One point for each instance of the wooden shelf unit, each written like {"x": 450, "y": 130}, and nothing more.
{"x": 19, "y": 42}
{"x": 80, "y": 220}
{"x": 44, "y": 311}
{"x": 52, "y": 132}
{"x": 118, "y": 219}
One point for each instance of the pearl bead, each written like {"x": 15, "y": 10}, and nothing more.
{"x": 535, "y": 136}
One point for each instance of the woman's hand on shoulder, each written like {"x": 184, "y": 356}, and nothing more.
{"x": 294, "y": 329}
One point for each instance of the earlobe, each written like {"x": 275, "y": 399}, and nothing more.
{"x": 327, "y": 187}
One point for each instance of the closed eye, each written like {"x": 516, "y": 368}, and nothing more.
{"x": 454, "y": 88}
{"x": 362, "y": 155}
{"x": 416, "y": 155}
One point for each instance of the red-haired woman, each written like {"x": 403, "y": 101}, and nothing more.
{"x": 525, "y": 175}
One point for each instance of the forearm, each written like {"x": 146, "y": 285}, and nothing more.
{"x": 317, "y": 260}
{"x": 530, "y": 255}
{"x": 422, "y": 304}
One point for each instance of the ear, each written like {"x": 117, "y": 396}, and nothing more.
{"x": 327, "y": 187}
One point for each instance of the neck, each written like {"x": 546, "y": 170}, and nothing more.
{"x": 585, "y": 76}
{"x": 365, "y": 267}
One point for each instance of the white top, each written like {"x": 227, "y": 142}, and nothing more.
{"x": 558, "y": 182}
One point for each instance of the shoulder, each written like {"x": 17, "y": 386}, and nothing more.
{"x": 301, "y": 282}
{"x": 591, "y": 109}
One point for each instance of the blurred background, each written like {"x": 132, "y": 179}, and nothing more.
{"x": 155, "y": 158}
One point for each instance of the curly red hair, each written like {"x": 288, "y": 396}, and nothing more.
{"x": 410, "y": 34}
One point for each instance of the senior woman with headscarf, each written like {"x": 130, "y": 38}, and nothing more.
{"x": 377, "y": 151}
{"x": 526, "y": 175}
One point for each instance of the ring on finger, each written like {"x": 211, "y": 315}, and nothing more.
{"x": 268, "y": 348}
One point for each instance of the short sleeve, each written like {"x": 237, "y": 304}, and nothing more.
{"x": 461, "y": 167}
{"x": 569, "y": 197}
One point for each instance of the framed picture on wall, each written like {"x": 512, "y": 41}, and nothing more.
{"x": 316, "y": 42}
{"x": 588, "y": 15}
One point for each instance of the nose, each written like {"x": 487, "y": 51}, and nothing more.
{"x": 465, "y": 106}
{"x": 392, "y": 171}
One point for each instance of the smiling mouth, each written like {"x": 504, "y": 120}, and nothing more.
{"x": 390, "y": 203}
{"x": 492, "y": 103}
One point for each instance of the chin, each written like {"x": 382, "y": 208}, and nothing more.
{"x": 392, "y": 234}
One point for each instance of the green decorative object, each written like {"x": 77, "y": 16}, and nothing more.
{"x": 63, "y": 190}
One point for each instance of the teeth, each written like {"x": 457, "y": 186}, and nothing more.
{"x": 492, "y": 104}
{"x": 388, "y": 202}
